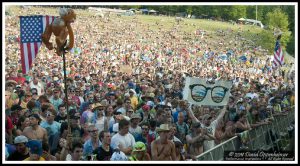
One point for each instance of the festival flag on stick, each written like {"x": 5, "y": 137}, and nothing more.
{"x": 278, "y": 54}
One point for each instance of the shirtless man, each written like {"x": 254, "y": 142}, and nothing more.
{"x": 196, "y": 139}
{"x": 163, "y": 148}
{"x": 34, "y": 131}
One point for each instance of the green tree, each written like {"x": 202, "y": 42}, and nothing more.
{"x": 279, "y": 19}
{"x": 267, "y": 40}
{"x": 251, "y": 12}
{"x": 189, "y": 10}
{"x": 241, "y": 11}
{"x": 290, "y": 10}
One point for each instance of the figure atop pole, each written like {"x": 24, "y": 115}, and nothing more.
{"x": 61, "y": 28}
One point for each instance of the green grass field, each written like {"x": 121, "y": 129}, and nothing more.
{"x": 249, "y": 32}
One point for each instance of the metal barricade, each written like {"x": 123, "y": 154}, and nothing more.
{"x": 217, "y": 153}
{"x": 260, "y": 139}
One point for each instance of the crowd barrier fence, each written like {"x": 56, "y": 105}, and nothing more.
{"x": 268, "y": 137}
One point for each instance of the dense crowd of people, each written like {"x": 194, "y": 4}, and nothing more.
{"x": 137, "y": 114}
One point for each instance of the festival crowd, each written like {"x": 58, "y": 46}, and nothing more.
{"x": 125, "y": 93}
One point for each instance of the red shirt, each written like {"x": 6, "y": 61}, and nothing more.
{"x": 8, "y": 124}
{"x": 20, "y": 80}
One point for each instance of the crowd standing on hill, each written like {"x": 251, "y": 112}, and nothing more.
{"x": 137, "y": 113}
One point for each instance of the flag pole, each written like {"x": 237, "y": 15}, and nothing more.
{"x": 66, "y": 93}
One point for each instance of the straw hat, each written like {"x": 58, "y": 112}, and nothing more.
{"x": 148, "y": 95}
{"x": 163, "y": 127}
{"x": 135, "y": 116}
{"x": 97, "y": 105}
{"x": 11, "y": 82}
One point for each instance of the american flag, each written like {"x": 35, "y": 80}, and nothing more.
{"x": 278, "y": 55}
{"x": 32, "y": 28}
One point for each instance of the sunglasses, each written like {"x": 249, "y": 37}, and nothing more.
{"x": 93, "y": 131}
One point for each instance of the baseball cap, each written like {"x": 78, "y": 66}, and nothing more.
{"x": 20, "y": 139}
{"x": 35, "y": 116}
{"x": 139, "y": 146}
{"x": 35, "y": 147}
{"x": 131, "y": 90}
{"x": 135, "y": 116}
{"x": 150, "y": 103}
{"x": 146, "y": 107}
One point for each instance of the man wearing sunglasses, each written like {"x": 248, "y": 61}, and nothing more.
{"x": 93, "y": 143}
{"x": 52, "y": 127}
{"x": 56, "y": 99}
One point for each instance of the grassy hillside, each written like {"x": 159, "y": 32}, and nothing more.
{"x": 252, "y": 35}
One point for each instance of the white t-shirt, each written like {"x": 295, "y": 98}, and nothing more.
{"x": 100, "y": 124}
{"x": 125, "y": 141}
{"x": 39, "y": 87}
{"x": 209, "y": 144}
{"x": 81, "y": 99}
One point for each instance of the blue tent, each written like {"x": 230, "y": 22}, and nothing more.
{"x": 229, "y": 53}
{"x": 243, "y": 58}
{"x": 223, "y": 57}
{"x": 144, "y": 11}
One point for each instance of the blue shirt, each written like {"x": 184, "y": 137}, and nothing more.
{"x": 52, "y": 129}
{"x": 56, "y": 102}
{"x": 88, "y": 147}
{"x": 88, "y": 117}
{"x": 175, "y": 115}
{"x": 84, "y": 106}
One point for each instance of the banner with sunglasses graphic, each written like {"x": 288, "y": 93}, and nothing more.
{"x": 206, "y": 92}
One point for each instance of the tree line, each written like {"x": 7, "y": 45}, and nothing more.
{"x": 274, "y": 16}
